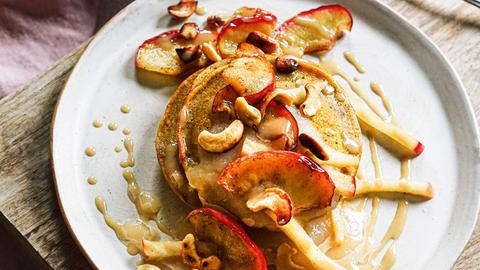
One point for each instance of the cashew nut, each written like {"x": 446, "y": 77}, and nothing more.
{"x": 311, "y": 104}
{"x": 275, "y": 200}
{"x": 211, "y": 52}
{"x": 249, "y": 115}
{"x": 223, "y": 141}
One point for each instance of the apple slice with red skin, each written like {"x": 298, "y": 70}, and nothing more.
{"x": 307, "y": 184}
{"x": 251, "y": 77}
{"x": 274, "y": 113}
{"x": 158, "y": 54}
{"x": 238, "y": 29}
{"x": 236, "y": 250}
{"x": 314, "y": 30}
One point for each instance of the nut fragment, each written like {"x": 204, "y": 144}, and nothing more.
{"x": 211, "y": 52}
{"x": 275, "y": 200}
{"x": 310, "y": 106}
{"x": 262, "y": 41}
{"x": 223, "y": 141}
{"x": 183, "y": 9}
{"x": 249, "y": 115}
{"x": 189, "y": 31}
{"x": 215, "y": 22}
{"x": 189, "y": 54}
{"x": 286, "y": 65}
{"x": 191, "y": 258}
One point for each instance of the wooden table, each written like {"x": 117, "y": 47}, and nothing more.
{"x": 31, "y": 223}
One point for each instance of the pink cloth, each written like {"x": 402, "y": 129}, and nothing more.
{"x": 36, "y": 33}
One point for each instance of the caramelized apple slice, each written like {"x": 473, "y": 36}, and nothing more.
{"x": 307, "y": 184}
{"x": 314, "y": 30}
{"x": 278, "y": 122}
{"x": 234, "y": 247}
{"x": 159, "y": 54}
{"x": 237, "y": 30}
{"x": 251, "y": 77}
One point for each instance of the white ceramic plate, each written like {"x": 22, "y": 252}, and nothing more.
{"x": 425, "y": 90}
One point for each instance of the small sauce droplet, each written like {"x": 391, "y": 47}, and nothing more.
{"x": 128, "y": 144}
{"x": 97, "y": 124}
{"x": 354, "y": 61}
{"x": 90, "y": 151}
{"x": 125, "y": 108}
{"x": 118, "y": 149}
{"x": 356, "y": 78}
{"x": 112, "y": 126}
{"x": 126, "y": 131}
{"x": 92, "y": 180}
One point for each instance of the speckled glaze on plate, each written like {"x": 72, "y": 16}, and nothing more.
{"x": 426, "y": 93}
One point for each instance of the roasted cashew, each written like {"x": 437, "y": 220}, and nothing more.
{"x": 249, "y": 115}
{"x": 223, "y": 141}
{"x": 311, "y": 104}
{"x": 275, "y": 200}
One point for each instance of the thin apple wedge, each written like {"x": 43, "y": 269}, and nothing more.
{"x": 171, "y": 54}
{"x": 390, "y": 136}
{"x": 236, "y": 250}
{"x": 238, "y": 29}
{"x": 415, "y": 190}
{"x": 314, "y": 30}
{"x": 319, "y": 261}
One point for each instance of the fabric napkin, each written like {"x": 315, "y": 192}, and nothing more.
{"x": 36, "y": 33}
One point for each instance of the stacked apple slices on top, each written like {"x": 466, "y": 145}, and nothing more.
{"x": 259, "y": 133}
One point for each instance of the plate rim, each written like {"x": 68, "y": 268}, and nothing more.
{"x": 413, "y": 30}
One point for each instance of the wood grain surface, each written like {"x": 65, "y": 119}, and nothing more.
{"x": 27, "y": 195}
